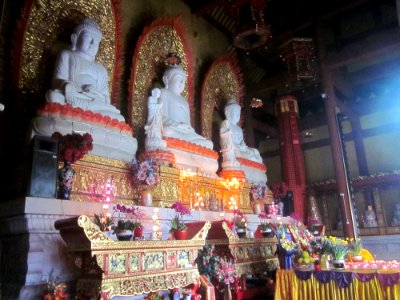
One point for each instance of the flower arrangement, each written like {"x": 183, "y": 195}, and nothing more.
{"x": 226, "y": 272}
{"x": 74, "y": 146}
{"x": 239, "y": 220}
{"x": 105, "y": 222}
{"x": 338, "y": 248}
{"x": 354, "y": 246}
{"x": 177, "y": 221}
{"x": 215, "y": 268}
{"x": 319, "y": 245}
{"x": 207, "y": 261}
{"x": 55, "y": 290}
{"x": 146, "y": 172}
{"x": 133, "y": 214}
{"x": 264, "y": 225}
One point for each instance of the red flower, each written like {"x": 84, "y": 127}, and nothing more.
{"x": 73, "y": 147}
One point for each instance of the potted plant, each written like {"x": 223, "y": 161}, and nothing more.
{"x": 240, "y": 223}
{"x": 265, "y": 227}
{"x": 124, "y": 230}
{"x": 133, "y": 223}
{"x": 355, "y": 247}
{"x": 138, "y": 215}
{"x": 178, "y": 227}
{"x": 146, "y": 177}
{"x": 338, "y": 249}
{"x": 104, "y": 222}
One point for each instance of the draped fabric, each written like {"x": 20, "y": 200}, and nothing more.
{"x": 342, "y": 285}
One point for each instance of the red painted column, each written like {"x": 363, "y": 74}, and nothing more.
{"x": 292, "y": 160}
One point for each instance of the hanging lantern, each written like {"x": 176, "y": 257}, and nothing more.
{"x": 252, "y": 31}
{"x": 299, "y": 56}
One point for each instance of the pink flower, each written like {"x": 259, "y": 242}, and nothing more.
{"x": 146, "y": 172}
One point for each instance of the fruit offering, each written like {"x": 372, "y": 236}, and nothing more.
{"x": 305, "y": 258}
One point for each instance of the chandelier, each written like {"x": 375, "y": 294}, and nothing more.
{"x": 299, "y": 56}
{"x": 252, "y": 31}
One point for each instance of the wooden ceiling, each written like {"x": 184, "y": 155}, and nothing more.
{"x": 358, "y": 42}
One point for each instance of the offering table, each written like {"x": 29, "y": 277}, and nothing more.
{"x": 342, "y": 285}
{"x": 131, "y": 267}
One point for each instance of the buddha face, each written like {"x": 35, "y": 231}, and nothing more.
{"x": 176, "y": 83}
{"x": 88, "y": 43}
{"x": 233, "y": 113}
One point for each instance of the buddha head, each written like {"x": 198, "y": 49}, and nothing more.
{"x": 86, "y": 38}
{"x": 174, "y": 79}
{"x": 232, "y": 111}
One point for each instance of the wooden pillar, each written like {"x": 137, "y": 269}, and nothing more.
{"x": 336, "y": 147}
{"x": 292, "y": 159}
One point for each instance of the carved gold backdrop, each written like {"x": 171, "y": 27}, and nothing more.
{"x": 163, "y": 36}
{"x": 222, "y": 82}
{"x": 41, "y": 26}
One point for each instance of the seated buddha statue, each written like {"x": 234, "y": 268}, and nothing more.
{"x": 231, "y": 134}
{"x": 82, "y": 82}
{"x": 396, "y": 215}
{"x": 175, "y": 108}
{"x": 370, "y": 217}
{"x": 78, "y": 78}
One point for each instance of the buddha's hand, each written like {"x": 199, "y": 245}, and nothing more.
{"x": 88, "y": 88}
{"x": 71, "y": 93}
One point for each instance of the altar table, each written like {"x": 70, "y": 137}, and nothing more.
{"x": 337, "y": 285}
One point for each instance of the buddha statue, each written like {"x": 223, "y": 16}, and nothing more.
{"x": 78, "y": 79}
{"x": 232, "y": 142}
{"x": 396, "y": 216}
{"x": 82, "y": 82}
{"x": 154, "y": 126}
{"x": 175, "y": 108}
{"x": 370, "y": 217}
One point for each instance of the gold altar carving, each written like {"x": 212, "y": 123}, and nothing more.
{"x": 160, "y": 38}
{"x": 252, "y": 256}
{"x": 222, "y": 82}
{"x": 93, "y": 171}
{"x": 133, "y": 267}
{"x": 47, "y": 20}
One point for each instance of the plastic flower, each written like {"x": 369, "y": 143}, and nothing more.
{"x": 337, "y": 247}
{"x": 73, "y": 147}
{"x": 239, "y": 219}
{"x": 226, "y": 272}
{"x": 354, "y": 245}
{"x": 146, "y": 172}
{"x": 134, "y": 214}
{"x": 263, "y": 222}
{"x": 177, "y": 221}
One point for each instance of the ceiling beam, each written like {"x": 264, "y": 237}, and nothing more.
{"x": 201, "y": 7}
{"x": 377, "y": 45}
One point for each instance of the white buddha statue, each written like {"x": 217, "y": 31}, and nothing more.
{"x": 175, "y": 108}
{"x": 232, "y": 142}
{"x": 80, "y": 80}
{"x": 154, "y": 126}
